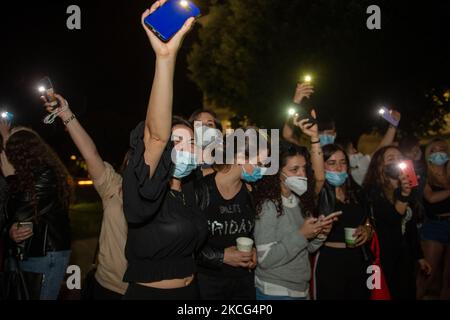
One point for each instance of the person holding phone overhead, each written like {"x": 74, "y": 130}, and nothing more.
{"x": 108, "y": 281}
{"x": 390, "y": 193}
{"x": 436, "y": 228}
{"x": 340, "y": 269}
{"x": 286, "y": 231}
{"x": 302, "y": 91}
{"x": 164, "y": 228}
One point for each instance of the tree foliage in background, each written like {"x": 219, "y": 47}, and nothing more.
{"x": 251, "y": 53}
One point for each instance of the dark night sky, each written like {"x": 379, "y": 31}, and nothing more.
{"x": 104, "y": 70}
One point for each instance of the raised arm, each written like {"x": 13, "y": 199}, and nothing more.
{"x": 159, "y": 111}
{"x": 318, "y": 166}
{"x": 82, "y": 140}
{"x": 302, "y": 91}
{"x": 389, "y": 136}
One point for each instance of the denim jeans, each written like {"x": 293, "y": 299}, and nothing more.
{"x": 261, "y": 296}
{"x": 53, "y": 266}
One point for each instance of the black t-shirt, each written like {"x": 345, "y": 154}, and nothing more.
{"x": 227, "y": 221}
{"x": 438, "y": 208}
{"x": 353, "y": 216}
{"x": 165, "y": 228}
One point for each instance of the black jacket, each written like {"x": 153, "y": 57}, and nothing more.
{"x": 50, "y": 216}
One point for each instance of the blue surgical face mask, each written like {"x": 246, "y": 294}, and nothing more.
{"x": 186, "y": 162}
{"x": 438, "y": 158}
{"x": 336, "y": 179}
{"x": 257, "y": 174}
{"x": 326, "y": 139}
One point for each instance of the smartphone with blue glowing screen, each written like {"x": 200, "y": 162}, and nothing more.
{"x": 168, "y": 19}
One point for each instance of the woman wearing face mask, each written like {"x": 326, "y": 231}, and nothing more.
{"x": 286, "y": 231}
{"x": 164, "y": 228}
{"x": 208, "y": 133}
{"x": 340, "y": 271}
{"x": 436, "y": 229}
{"x": 392, "y": 204}
{"x": 225, "y": 273}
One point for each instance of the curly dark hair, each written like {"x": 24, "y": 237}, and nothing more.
{"x": 351, "y": 189}
{"x": 269, "y": 188}
{"x": 28, "y": 154}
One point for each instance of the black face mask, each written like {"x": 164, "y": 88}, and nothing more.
{"x": 392, "y": 171}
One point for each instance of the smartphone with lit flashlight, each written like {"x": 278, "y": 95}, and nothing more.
{"x": 45, "y": 88}
{"x": 6, "y": 116}
{"x": 168, "y": 19}
{"x": 302, "y": 113}
{"x": 407, "y": 167}
{"x": 387, "y": 115}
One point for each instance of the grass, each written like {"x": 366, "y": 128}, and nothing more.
{"x": 86, "y": 220}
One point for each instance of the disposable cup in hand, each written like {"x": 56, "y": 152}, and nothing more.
{"x": 350, "y": 239}
{"x": 244, "y": 244}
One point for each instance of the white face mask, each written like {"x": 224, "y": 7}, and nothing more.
{"x": 296, "y": 184}
{"x": 355, "y": 160}
{"x": 205, "y": 135}
{"x": 359, "y": 164}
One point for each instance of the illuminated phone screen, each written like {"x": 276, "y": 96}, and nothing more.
{"x": 167, "y": 20}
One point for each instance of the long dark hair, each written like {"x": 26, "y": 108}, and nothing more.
{"x": 29, "y": 154}
{"x": 269, "y": 187}
{"x": 198, "y": 112}
{"x": 350, "y": 187}
{"x": 375, "y": 174}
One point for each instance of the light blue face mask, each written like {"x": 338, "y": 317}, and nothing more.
{"x": 438, "y": 158}
{"x": 336, "y": 179}
{"x": 257, "y": 174}
{"x": 326, "y": 139}
{"x": 186, "y": 162}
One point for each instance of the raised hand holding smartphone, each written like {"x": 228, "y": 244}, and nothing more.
{"x": 407, "y": 167}
{"x": 170, "y": 17}
{"x": 45, "y": 87}
{"x": 387, "y": 115}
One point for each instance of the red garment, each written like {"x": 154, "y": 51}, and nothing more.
{"x": 383, "y": 292}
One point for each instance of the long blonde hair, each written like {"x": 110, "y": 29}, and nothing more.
{"x": 432, "y": 179}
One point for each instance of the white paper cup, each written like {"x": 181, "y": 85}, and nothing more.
{"x": 244, "y": 244}
{"x": 350, "y": 239}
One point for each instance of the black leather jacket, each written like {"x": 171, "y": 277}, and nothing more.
{"x": 50, "y": 217}
{"x": 209, "y": 256}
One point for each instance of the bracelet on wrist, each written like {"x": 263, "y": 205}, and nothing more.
{"x": 66, "y": 122}
{"x": 315, "y": 142}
